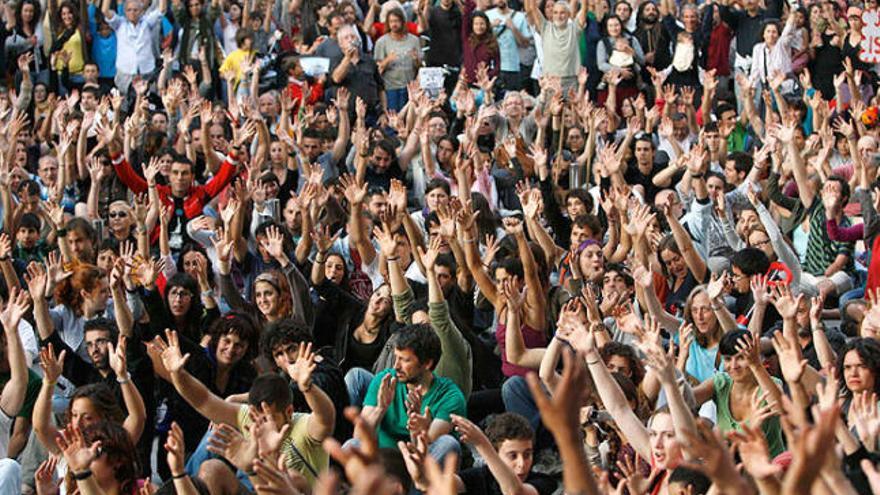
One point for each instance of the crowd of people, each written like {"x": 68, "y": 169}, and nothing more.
{"x": 262, "y": 246}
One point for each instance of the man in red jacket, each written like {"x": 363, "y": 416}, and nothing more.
{"x": 188, "y": 198}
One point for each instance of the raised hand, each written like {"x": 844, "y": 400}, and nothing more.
{"x": 300, "y": 371}
{"x": 429, "y": 257}
{"x": 387, "y": 244}
{"x": 754, "y": 452}
{"x": 174, "y": 446}
{"x": 513, "y": 226}
{"x": 387, "y": 389}
{"x": 866, "y": 418}
{"x": 354, "y": 192}
{"x": 51, "y": 365}
{"x": 117, "y": 357}
{"x": 791, "y": 361}
{"x": 16, "y": 307}
{"x": 397, "y": 196}
{"x": 274, "y": 243}
{"x": 231, "y": 444}
{"x": 266, "y": 431}
{"x": 322, "y": 238}
{"x": 46, "y": 482}
{"x": 55, "y": 270}
{"x": 446, "y": 215}
{"x": 172, "y": 357}
{"x": 37, "y": 280}
{"x": 78, "y": 454}
{"x": 716, "y": 286}
{"x": 786, "y": 304}
{"x": 469, "y": 432}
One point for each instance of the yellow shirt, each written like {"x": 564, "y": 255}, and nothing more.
{"x": 233, "y": 62}
{"x": 298, "y": 448}
{"x": 74, "y": 47}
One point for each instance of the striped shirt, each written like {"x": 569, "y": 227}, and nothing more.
{"x": 822, "y": 251}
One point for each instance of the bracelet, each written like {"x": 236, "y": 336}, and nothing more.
{"x": 393, "y": 258}
{"x": 697, "y": 176}
{"x": 208, "y": 293}
{"x": 5, "y": 258}
{"x": 82, "y": 475}
{"x": 179, "y": 476}
{"x": 307, "y": 390}
{"x": 593, "y": 362}
{"x": 469, "y": 241}
{"x": 319, "y": 261}
{"x": 123, "y": 381}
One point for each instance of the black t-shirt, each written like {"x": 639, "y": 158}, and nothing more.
{"x": 362, "y": 355}
{"x": 634, "y": 176}
{"x": 330, "y": 379}
{"x": 382, "y": 181}
{"x": 444, "y": 27}
{"x": 479, "y": 481}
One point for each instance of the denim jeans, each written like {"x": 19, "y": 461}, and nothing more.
{"x": 518, "y": 399}
{"x": 357, "y": 381}
{"x": 396, "y": 98}
{"x": 201, "y": 454}
{"x": 439, "y": 449}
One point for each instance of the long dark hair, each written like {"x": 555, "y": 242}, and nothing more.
{"x": 38, "y": 14}
{"x": 120, "y": 451}
{"x": 487, "y": 38}
{"x": 193, "y": 317}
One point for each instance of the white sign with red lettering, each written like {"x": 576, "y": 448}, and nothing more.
{"x": 869, "y": 51}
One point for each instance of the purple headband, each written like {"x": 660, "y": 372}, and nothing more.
{"x": 586, "y": 244}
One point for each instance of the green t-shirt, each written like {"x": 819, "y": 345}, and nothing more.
{"x": 444, "y": 398}
{"x": 723, "y": 383}
{"x": 30, "y": 396}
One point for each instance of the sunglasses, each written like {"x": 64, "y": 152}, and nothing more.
{"x": 117, "y": 214}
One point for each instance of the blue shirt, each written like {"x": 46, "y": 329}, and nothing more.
{"x": 507, "y": 46}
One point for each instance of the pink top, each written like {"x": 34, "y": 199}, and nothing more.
{"x": 532, "y": 338}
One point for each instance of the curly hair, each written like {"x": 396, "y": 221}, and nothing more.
{"x": 85, "y": 277}
{"x": 281, "y": 333}
{"x": 237, "y": 323}
{"x": 508, "y": 426}
{"x": 613, "y": 348}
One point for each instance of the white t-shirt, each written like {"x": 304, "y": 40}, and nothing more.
{"x": 5, "y": 432}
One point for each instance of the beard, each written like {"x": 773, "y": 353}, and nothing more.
{"x": 804, "y": 332}
{"x": 560, "y": 24}
{"x": 102, "y": 363}
{"x": 650, "y": 18}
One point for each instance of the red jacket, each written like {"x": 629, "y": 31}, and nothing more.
{"x": 197, "y": 196}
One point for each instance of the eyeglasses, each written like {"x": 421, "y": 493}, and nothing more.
{"x": 117, "y": 214}
{"x": 761, "y": 243}
{"x": 180, "y": 294}
{"x": 97, "y": 343}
